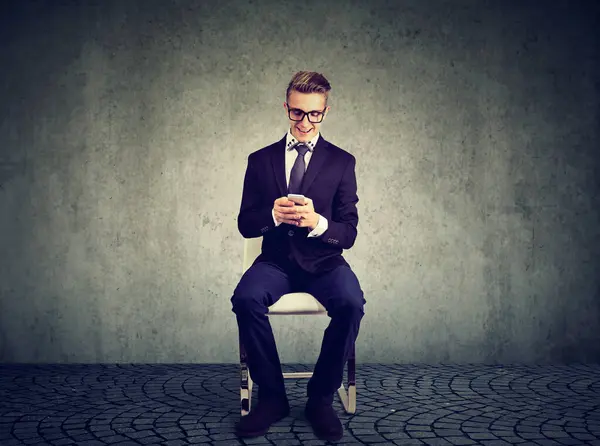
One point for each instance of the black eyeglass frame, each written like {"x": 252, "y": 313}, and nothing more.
{"x": 322, "y": 112}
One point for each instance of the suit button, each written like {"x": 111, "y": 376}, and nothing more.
{"x": 290, "y": 233}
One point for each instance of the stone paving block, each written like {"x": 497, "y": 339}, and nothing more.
{"x": 83, "y": 437}
{"x": 199, "y": 439}
{"x": 502, "y": 433}
{"x": 196, "y": 432}
{"x": 222, "y": 436}
{"x": 31, "y": 441}
{"x": 482, "y": 436}
{"x": 583, "y": 436}
{"x": 513, "y": 440}
{"x": 123, "y": 428}
{"x": 173, "y": 435}
{"x": 555, "y": 434}
{"x": 137, "y": 434}
{"x": 421, "y": 434}
{"x": 371, "y": 439}
{"x": 532, "y": 435}
{"x": 459, "y": 440}
{"x": 154, "y": 439}
{"x": 62, "y": 442}
{"x": 53, "y": 436}
{"x": 167, "y": 430}
{"x": 288, "y": 442}
{"x": 396, "y": 435}
{"x": 570, "y": 441}
{"x": 221, "y": 430}
{"x": 437, "y": 441}
{"x": 387, "y": 429}
{"x": 418, "y": 427}
{"x": 24, "y": 435}
{"x": 443, "y": 425}
{"x": 174, "y": 443}
{"x": 577, "y": 428}
{"x": 522, "y": 428}
{"x": 363, "y": 431}
{"x": 448, "y": 432}
{"x": 111, "y": 439}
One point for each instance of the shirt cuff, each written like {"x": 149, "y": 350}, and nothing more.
{"x": 274, "y": 219}
{"x": 322, "y": 226}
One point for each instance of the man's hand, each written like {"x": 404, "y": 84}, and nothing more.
{"x": 287, "y": 211}
{"x": 284, "y": 211}
{"x": 308, "y": 217}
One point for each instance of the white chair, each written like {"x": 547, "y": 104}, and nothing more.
{"x": 292, "y": 303}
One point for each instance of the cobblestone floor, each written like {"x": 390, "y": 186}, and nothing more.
{"x": 400, "y": 404}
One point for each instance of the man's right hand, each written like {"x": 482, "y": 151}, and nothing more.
{"x": 284, "y": 211}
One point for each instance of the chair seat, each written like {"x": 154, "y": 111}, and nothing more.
{"x": 297, "y": 303}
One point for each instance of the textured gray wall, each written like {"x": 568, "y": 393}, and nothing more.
{"x": 125, "y": 129}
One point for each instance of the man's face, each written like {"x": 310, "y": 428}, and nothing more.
{"x": 314, "y": 103}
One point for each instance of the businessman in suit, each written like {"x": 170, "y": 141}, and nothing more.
{"x": 301, "y": 251}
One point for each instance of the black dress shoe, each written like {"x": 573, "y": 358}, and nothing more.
{"x": 324, "y": 421}
{"x": 260, "y": 418}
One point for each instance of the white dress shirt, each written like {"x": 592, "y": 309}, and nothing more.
{"x": 290, "y": 158}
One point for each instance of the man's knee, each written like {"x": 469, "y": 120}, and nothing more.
{"x": 348, "y": 299}
{"x": 350, "y": 305}
{"x": 248, "y": 298}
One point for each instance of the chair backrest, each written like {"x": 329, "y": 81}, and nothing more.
{"x": 252, "y": 248}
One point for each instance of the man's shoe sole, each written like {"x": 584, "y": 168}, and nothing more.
{"x": 322, "y": 435}
{"x": 326, "y": 437}
{"x": 260, "y": 432}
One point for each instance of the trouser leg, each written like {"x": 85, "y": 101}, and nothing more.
{"x": 261, "y": 286}
{"x": 339, "y": 292}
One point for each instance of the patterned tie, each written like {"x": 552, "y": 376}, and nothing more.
{"x": 298, "y": 170}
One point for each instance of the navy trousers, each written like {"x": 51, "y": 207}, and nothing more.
{"x": 337, "y": 290}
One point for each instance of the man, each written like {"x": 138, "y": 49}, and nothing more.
{"x": 301, "y": 251}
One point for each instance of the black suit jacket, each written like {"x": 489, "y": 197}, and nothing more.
{"x": 330, "y": 181}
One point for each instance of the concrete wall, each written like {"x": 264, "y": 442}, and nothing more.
{"x": 124, "y": 133}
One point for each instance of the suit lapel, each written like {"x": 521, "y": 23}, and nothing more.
{"x": 317, "y": 161}
{"x": 278, "y": 162}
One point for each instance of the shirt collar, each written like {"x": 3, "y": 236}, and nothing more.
{"x": 290, "y": 141}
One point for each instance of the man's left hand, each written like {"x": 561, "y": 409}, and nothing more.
{"x": 306, "y": 215}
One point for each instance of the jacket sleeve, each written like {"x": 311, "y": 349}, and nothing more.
{"x": 255, "y": 218}
{"x": 341, "y": 231}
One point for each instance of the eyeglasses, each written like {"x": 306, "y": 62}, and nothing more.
{"x": 314, "y": 116}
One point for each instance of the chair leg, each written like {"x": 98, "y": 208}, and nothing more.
{"x": 348, "y": 398}
{"x": 245, "y": 382}
{"x": 352, "y": 381}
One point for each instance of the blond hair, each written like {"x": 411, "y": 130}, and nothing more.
{"x": 308, "y": 82}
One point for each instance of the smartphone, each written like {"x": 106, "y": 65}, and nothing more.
{"x": 296, "y": 198}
